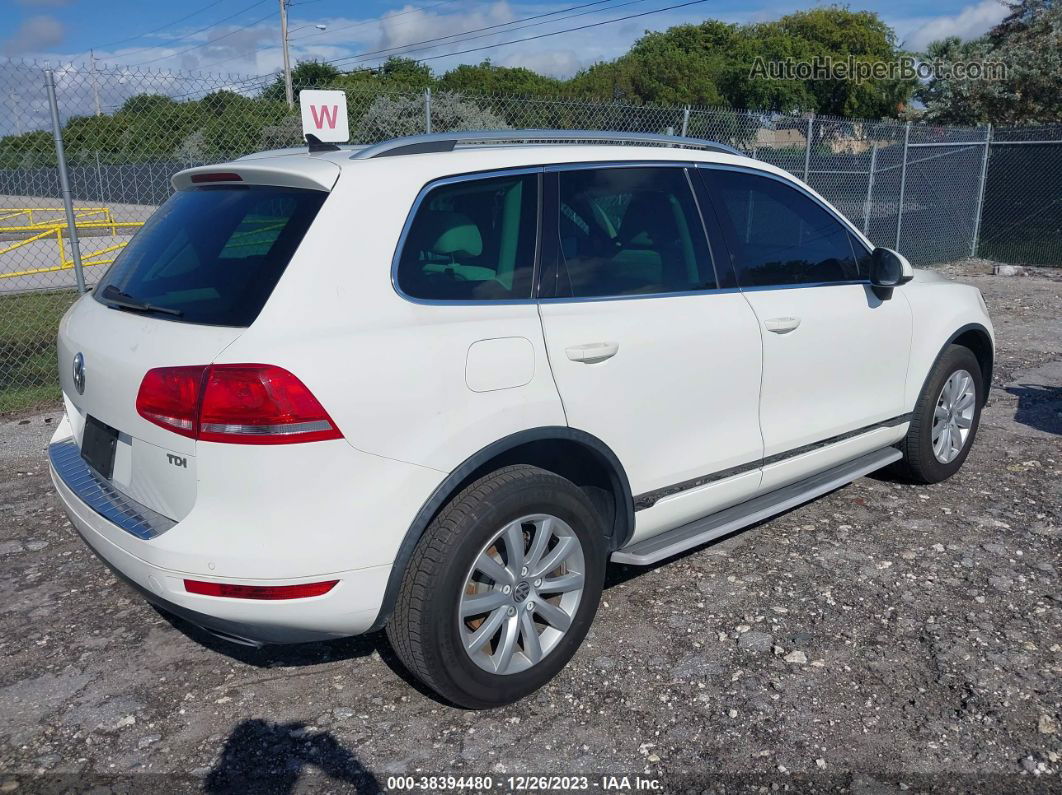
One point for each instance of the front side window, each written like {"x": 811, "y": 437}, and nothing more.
{"x": 778, "y": 235}
{"x": 472, "y": 240}
{"x": 629, "y": 231}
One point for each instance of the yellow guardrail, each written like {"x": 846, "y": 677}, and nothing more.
{"x": 41, "y": 230}
{"x": 262, "y": 232}
{"x": 29, "y": 213}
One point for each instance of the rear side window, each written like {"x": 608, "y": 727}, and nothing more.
{"x": 629, "y": 231}
{"x": 214, "y": 254}
{"x": 472, "y": 240}
{"x": 778, "y": 235}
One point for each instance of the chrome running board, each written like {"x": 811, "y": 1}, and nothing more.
{"x": 701, "y": 531}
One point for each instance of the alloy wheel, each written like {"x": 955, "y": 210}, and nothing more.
{"x": 953, "y": 416}
{"x": 521, "y": 594}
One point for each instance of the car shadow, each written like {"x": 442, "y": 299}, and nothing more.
{"x": 266, "y": 757}
{"x": 297, "y": 655}
{"x": 1039, "y": 406}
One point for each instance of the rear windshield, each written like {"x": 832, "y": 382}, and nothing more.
{"x": 213, "y": 255}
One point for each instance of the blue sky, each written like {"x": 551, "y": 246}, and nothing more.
{"x": 242, "y": 36}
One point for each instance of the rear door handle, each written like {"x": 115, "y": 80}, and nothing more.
{"x": 782, "y": 325}
{"x": 592, "y": 352}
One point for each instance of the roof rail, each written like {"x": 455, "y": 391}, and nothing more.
{"x": 447, "y": 142}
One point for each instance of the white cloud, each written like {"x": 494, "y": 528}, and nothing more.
{"x": 34, "y": 33}
{"x": 555, "y": 63}
{"x": 972, "y": 21}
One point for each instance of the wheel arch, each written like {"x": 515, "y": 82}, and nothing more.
{"x": 576, "y": 455}
{"x": 975, "y": 337}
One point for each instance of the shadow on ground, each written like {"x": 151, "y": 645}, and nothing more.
{"x": 261, "y": 756}
{"x": 1039, "y": 406}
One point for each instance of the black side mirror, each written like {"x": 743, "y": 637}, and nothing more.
{"x": 889, "y": 268}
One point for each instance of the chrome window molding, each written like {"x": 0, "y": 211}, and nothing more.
{"x": 102, "y": 497}
{"x": 417, "y": 202}
{"x": 792, "y": 183}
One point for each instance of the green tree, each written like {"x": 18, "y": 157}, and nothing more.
{"x": 486, "y": 78}
{"x": 306, "y": 74}
{"x": 711, "y": 63}
{"x": 1028, "y": 45}
{"x": 395, "y": 74}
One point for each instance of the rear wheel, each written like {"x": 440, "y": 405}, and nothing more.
{"x": 502, "y": 588}
{"x": 945, "y": 420}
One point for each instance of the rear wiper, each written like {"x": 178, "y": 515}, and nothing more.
{"x": 117, "y": 298}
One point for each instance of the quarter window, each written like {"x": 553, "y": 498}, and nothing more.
{"x": 778, "y": 235}
{"x": 629, "y": 231}
{"x": 472, "y": 240}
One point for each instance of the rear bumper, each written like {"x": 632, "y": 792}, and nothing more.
{"x": 264, "y": 536}
{"x": 348, "y": 609}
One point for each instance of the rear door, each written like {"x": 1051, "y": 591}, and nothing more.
{"x": 835, "y": 354}
{"x": 651, "y": 352}
{"x": 185, "y": 287}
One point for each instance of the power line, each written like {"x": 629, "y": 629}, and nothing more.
{"x": 370, "y": 21}
{"x": 547, "y": 35}
{"x": 195, "y": 33}
{"x": 333, "y": 30}
{"x": 212, "y": 41}
{"x": 464, "y": 33}
{"x": 160, "y": 27}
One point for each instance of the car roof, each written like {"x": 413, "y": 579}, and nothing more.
{"x": 430, "y": 157}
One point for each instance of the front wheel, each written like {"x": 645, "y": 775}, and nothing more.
{"x": 945, "y": 420}
{"x": 502, "y": 588}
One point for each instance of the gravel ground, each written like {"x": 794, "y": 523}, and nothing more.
{"x": 886, "y": 637}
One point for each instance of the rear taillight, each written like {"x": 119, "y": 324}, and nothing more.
{"x": 169, "y": 396}
{"x": 234, "y": 403}
{"x": 271, "y": 592}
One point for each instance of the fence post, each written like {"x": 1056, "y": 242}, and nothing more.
{"x": 870, "y": 188}
{"x": 685, "y": 120}
{"x": 427, "y": 110}
{"x": 903, "y": 183}
{"x": 807, "y": 148}
{"x": 64, "y": 181}
{"x": 981, "y": 193}
{"x": 99, "y": 178}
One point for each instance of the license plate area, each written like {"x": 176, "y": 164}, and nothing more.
{"x": 98, "y": 444}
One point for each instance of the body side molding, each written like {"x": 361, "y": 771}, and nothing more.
{"x": 701, "y": 531}
{"x": 650, "y": 498}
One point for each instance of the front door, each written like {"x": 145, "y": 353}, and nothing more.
{"x": 835, "y": 354}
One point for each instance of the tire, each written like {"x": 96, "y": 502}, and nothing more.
{"x": 920, "y": 463}
{"x": 444, "y": 582}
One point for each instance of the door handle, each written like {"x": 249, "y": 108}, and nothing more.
{"x": 782, "y": 325}
{"x": 592, "y": 352}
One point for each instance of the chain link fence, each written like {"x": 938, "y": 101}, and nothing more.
{"x": 934, "y": 193}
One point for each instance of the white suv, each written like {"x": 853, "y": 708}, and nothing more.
{"x": 437, "y": 383}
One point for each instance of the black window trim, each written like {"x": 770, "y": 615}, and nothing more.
{"x": 686, "y": 166}
{"x": 853, "y": 233}
{"x": 473, "y": 176}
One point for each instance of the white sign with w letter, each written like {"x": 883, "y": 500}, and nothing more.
{"x": 324, "y": 114}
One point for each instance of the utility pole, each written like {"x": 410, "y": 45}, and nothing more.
{"x": 288, "y": 93}
{"x": 95, "y": 82}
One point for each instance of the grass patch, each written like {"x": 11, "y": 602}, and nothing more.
{"x": 28, "y": 371}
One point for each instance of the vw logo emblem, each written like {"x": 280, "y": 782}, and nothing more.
{"x": 521, "y": 591}
{"x": 79, "y": 373}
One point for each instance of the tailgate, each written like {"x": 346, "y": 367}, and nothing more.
{"x": 151, "y": 464}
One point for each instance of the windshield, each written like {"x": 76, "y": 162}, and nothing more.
{"x": 211, "y": 255}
